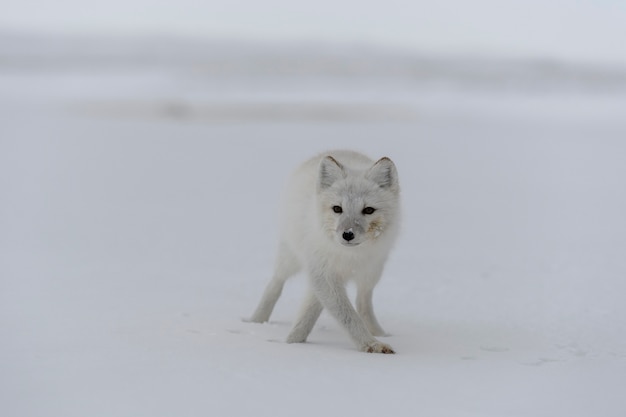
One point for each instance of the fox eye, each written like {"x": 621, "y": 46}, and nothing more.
{"x": 337, "y": 209}
{"x": 368, "y": 210}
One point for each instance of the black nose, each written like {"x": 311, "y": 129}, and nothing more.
{"x": 348, "y": 236}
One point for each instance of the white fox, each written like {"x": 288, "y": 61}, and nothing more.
{"x": 341, "y": 219}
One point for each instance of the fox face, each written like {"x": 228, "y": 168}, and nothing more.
{"x": 357, "y": 206}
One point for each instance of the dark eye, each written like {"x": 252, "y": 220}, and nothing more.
{"x": 337, "y": 209}
{"x": 368, "y": 210}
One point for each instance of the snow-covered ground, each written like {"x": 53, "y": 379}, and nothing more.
{"x": 137, "y": 227}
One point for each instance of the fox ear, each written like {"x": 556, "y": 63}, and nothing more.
{"x": 330, "y": 171}
{"x": 384, "y": 173}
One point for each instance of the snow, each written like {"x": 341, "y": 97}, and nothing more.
{"x": 134, "y": 239}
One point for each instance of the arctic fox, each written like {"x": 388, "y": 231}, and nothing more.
{"x": 341, "y": 218}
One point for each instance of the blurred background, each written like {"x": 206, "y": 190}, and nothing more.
{"x": 243, "y": 60}
{"x": 577, "y": 30}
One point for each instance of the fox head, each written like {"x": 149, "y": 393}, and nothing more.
{"x": 357, "y": 206}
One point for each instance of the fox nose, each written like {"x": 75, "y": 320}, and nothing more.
{"x": 348, "y": 235}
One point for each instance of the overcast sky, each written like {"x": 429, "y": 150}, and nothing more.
{"x": 574, "y": 29}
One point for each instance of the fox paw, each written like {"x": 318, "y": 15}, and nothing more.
{"x": 377, "y": 347}
{"x": 292, "y": 339}
{"x": 253, "y": 319}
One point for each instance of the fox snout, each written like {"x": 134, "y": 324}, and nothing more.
{"x": 350, "y": 235}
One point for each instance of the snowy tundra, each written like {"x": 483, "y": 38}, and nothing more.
{"x": 341, "y": 219}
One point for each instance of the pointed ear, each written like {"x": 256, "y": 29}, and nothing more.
{"x": 329, "y": 172}
{"x": 384, "y": 174}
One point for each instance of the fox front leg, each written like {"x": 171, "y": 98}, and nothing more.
{"x": 366, "y": 310}
{"x": 309, "y": 313}
{"x": 333, "y": 296}
{"x": 364, "y": 294}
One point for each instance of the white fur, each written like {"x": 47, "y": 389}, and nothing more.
{"x": 314, "y": 236}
